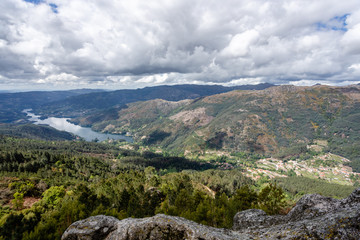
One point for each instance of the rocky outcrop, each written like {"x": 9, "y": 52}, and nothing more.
{"x": 254, "y": 218}
{"x": 157, "y": 228}
{"x": 98, "y": 227}
{"x": 313, "y": 217}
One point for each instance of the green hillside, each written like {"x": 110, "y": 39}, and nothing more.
{"x": 33, "y": 131}
{"x": 45, "y": 186}
{"x": 272, "y": 121}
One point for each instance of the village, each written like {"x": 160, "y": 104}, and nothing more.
{"x": 329, "y": 167}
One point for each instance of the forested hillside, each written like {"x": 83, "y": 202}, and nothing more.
{"x": 276, "y": 120}
{"x": 33, "y": 131}
{"x": 57, "y": 183}
{"x": 47, "y": 185}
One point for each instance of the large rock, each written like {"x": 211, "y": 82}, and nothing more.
{"x": 98, "y": 227}
{"x": 311, "y": 206}
{"x": 254, "y": 218}
{"x": 158, "y": 227}
{"x": 313, "y": 217}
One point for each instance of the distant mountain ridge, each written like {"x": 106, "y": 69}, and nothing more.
{"x": 11, "y": 104}
{"x": 79, "y": 105}
{"x": 78, "y": 102}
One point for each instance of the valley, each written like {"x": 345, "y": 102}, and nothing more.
{"x": 202, "y": 154}
{"x": 63, "y": 124}
{"x": 196, "y": 120}
{"x": 315, "y": 164}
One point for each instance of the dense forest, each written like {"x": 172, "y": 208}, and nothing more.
{"x": 47, "y": 185}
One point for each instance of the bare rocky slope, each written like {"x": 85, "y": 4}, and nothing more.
{"x": 313, "y": 217}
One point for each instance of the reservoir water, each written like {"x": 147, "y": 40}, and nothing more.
{"x": 63, "y": 124}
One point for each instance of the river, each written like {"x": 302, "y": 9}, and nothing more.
{"x": 63, "y": 124}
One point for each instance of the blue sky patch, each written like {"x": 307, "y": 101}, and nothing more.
{"x": 34, "y": 1}
{"x": 337, "y": 23}
{"x": 53, "y": 6}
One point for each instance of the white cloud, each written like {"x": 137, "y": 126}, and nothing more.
{"x": 2, "y": 43}
{"x": 308, "y": 43}
{"x": 355, "y": 70}
{"x": 155, "y": 79}
{"x": 127, "y": 44}
{"x": 243, "y": 81}
{"x": 240, "y": 44}
{"x": 351, "y": 40}
{"x": 62, "y": 78}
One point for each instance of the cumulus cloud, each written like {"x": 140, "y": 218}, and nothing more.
{"x": 351, "y": 40}
{"x": 240, "y": 44}
{"x": 129, "y": 44}
{"x": 59, "y": 79}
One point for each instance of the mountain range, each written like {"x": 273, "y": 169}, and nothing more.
{"x": 85, "y": 104}
{"x": 280, "y": 120}
{"x": 78, "y": 102}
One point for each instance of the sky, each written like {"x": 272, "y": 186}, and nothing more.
{"x": 118, "y": 44}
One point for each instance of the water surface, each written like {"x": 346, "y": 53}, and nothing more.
{"x": 63, "y": 124}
